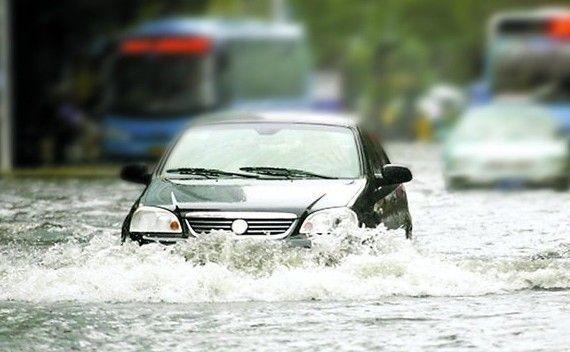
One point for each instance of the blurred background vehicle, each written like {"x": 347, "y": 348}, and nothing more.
{"x": 529, "y": 56}
{"x": 507, "y": 144}
{"x": 166, "y": 71}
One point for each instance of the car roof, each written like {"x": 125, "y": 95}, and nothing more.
{"x": 297, "y": 117}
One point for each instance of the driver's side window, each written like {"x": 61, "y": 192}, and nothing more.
{"x": 377, "y": 156}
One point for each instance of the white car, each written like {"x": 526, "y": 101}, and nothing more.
{"x": 507, "y": 144}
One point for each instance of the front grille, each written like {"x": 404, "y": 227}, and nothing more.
{"x": 256, "y": 226}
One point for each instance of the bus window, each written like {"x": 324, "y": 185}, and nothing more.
{"x": 268, "y": 69}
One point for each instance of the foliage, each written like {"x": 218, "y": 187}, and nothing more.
{"x": 386, "y": 47}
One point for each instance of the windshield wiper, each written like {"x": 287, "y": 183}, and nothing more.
{"x": 208, "y": 173}
{"x": 283, "y": 172}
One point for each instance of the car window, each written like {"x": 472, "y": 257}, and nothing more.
{"x": 381, "y": 153}
{"x": 325, "y": 150}
{"x": 376, "y": 154}
{"x": 505, "y": 124}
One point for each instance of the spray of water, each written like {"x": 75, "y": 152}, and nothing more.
{"x": 356, "y": 265}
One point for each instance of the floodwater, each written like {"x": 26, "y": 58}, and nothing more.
{"x": 487, "y": 270}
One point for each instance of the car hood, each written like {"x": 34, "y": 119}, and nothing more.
{"x": 292, "y": 196}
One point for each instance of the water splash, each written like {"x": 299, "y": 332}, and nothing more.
{"x": 363, "y": 264}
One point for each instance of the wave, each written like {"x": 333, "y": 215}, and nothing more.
{"x": 360, "y": 265}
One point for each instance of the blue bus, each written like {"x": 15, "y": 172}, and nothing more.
{"x": 529, "y": 56}
{"x": 165, "y": 72}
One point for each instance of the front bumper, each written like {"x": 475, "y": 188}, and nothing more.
{"x": 489, "y": 173}
{"x": 292, "y": 240}
{"x": 262, "y": 226}
{"x": 506, "y": 178}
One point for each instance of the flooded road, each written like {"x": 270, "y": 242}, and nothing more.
{"x": 487, "y": 270}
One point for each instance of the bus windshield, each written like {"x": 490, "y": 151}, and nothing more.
{"x": 159, "y": 85}
{"x": 546, "y": 75}
{"x": 189, "y": 74}
{"x": 528, "y": 57}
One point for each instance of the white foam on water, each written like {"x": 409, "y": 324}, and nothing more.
{"x": 220, "y": 269}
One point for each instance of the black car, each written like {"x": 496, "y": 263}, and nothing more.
{"x": 268, "y": 175}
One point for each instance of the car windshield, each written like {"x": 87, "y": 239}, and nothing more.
{"x": 506, "y": 124}
{"x": 304, "y": 149}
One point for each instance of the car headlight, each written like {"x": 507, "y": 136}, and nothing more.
{"x": 153, "y": 219}
{"x": 329, "y": 220}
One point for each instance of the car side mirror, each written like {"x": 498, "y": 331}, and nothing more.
{"x": 136, "y": 173}
{"x": 393, "y": 174}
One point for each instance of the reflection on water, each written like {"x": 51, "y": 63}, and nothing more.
{"x": 479, "y": 260}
